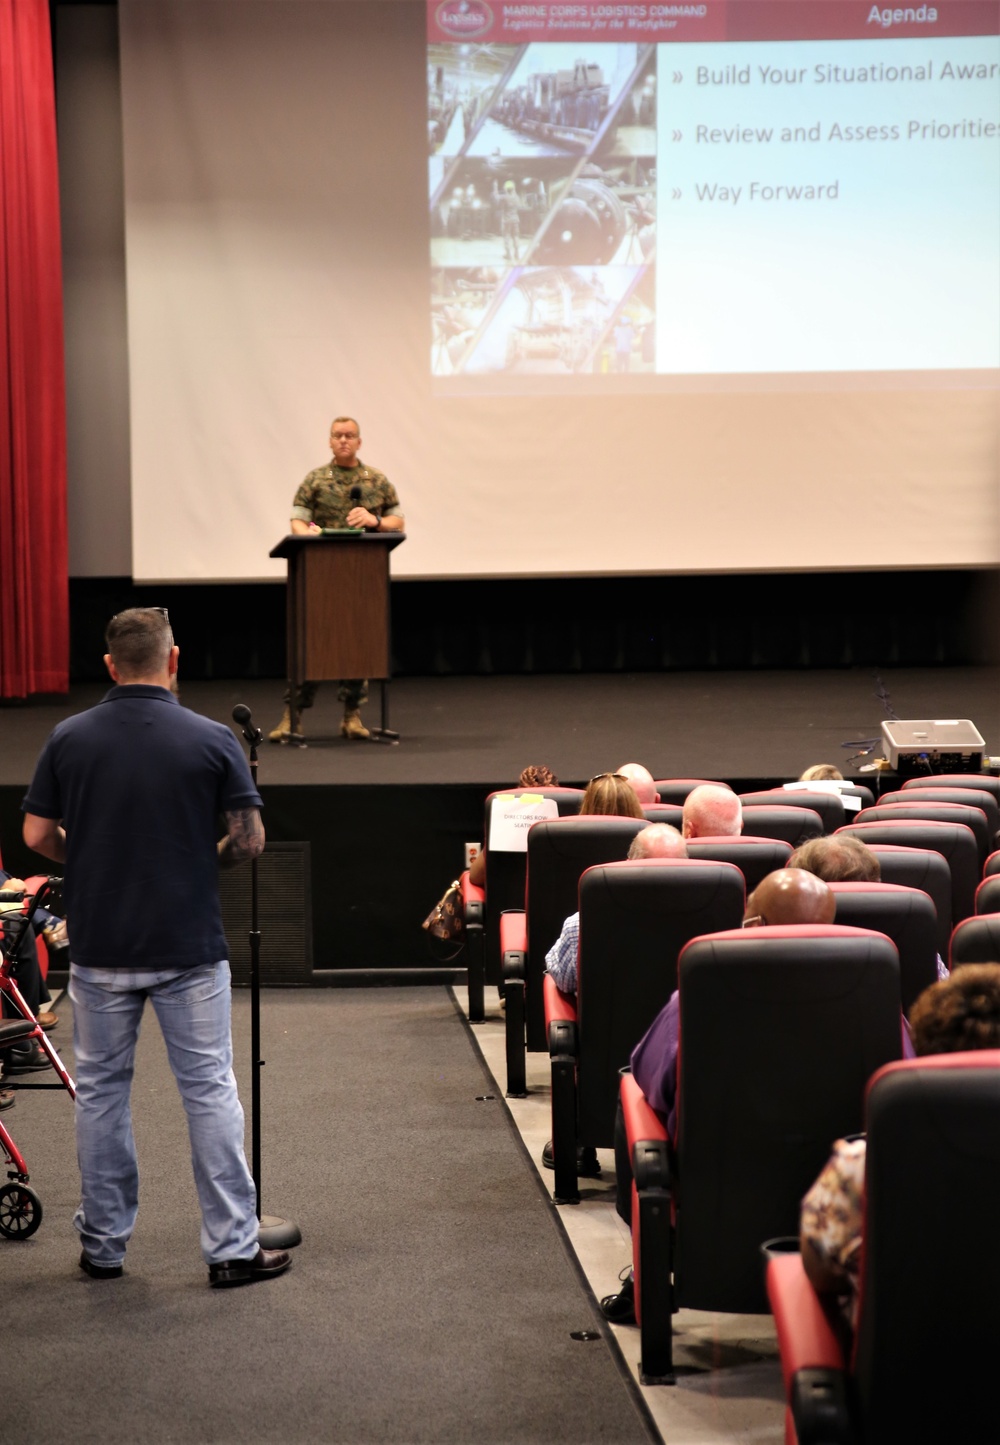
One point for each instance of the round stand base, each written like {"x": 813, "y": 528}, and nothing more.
{"x": 277, "y": 1233}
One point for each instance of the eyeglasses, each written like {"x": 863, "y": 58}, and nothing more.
{"x": 600, "y": 776}
{"x": 345, "y": 436}
{"x": 161, "y": 610}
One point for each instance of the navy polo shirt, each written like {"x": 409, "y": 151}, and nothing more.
{"x": 139, "y": 783}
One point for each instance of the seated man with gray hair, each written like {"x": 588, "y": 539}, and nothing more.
{"x": 712, "y": 811}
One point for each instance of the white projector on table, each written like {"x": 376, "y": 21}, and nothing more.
{"x": 938, "y": 745}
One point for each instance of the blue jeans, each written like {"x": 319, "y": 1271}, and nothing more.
{"x": 193, "y": 1009}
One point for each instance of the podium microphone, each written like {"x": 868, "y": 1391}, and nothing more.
{"x": 241, "y": 715}
{"x": 355, "y": 494}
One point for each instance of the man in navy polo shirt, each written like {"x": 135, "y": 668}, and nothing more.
{"x": 128, "y": 795}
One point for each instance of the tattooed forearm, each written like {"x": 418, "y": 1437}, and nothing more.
{"x": 244, "y": 838}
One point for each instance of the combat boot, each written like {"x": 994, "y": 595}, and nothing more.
{"x": 281, "y": 732}
{"x": 352, "y": 726}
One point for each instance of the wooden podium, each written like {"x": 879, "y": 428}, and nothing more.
{"x": 338, "y": 622}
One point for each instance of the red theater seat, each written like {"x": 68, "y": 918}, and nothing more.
{"x": 634, "y": 920}
{"x": 907, "y": 916}
{"x": 931, "y": 1258}
{"x": 954, "y": 841}
{"x": 828, "y": 805}
{"x": 793, "y": 824}
{"x": 801, "y": 1017}
{"x": 754, "y": 857}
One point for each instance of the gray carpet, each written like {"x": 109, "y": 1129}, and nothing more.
{"x": 432, "y": 1298}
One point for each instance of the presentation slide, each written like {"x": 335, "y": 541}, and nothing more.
{"x": 610, "y": 288}
{"x": 633, "y": 189}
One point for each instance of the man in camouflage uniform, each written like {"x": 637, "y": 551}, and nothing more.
{"x": 324, "y": 500}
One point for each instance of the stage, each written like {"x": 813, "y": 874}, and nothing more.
{"x": 386, "y": 824}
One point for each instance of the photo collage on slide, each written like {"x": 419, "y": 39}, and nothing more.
{"x": 542, "y": 207}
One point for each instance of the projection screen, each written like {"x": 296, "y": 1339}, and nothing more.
{"x": 611, "y": 288}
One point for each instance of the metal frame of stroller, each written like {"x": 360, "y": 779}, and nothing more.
{"x": 20, "y": 1206}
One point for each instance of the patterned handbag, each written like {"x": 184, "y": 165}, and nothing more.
{"x": 446, "y": 920}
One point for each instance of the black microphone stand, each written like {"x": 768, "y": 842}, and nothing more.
{"x": 273, "y": 1231}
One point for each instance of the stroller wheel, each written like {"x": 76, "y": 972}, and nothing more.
{"x": 20, "y": 1211}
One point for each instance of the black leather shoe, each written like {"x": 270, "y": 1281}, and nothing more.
{"x": 100, "y": 1271}
{"x": 266, "y": 1264}
{"x": 620, "y": 1308}
{"x": 25, "y": 1061}
{"x": 587, "y": 1165}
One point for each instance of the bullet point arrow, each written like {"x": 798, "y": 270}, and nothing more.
{"x": 677, "y": 194}
{"x": 678, "y": 76}
{"x": 678, "y": 135}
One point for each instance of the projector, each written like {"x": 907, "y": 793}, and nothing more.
{"x": 939, "y": 745}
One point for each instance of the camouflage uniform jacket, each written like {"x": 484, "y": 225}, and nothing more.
{"x": 325, "y": 495}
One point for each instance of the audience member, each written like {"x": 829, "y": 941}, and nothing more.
{"x": 712, "y": 811}
{"x": 838, "y": 859}
{"x": 822, "y": 773}
{"x": 535, "y": 775}
{"x": 959, "y": 1013}
{"x": 789, "y": 895}
{"x": 611, "y": 794}
{"x": 657, "y": 840}
{"x": 642, "y": 781}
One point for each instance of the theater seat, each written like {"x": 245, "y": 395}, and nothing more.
{"x": 987, "y": 782}
{"x": 671, "y": 813}
{"x": 503, "y": 888}
{"x": 675, "y": 790}
{"x": 931, "y": 1258}
{"x": 559, "y": 851}
{"x": 975, "y": 940}
{"x": 754, "y": 857}
{"x": 793, "y": 824}
{"x": 992, "y": 865}
{"x": 979, "y": 798}
{"x": 828, "y": 805}
{"x": 634, "y": 920}
{"x": 907, "y": 916}
{"x": 973, "y": 818}
{"x": 988, "y": 895}
{"x": 924, "y": 869}
{"x": 801, "y": 1016}
{"x": 954, "y": 841}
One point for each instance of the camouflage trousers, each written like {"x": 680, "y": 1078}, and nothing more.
{"x": 351, "y": 691}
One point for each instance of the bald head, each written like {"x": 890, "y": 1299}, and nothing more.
{"x": 791, "y": 895}
{"x": 659, "y": 840}
{"x": 642, "y": 781}
{"x": 712, "y": 811}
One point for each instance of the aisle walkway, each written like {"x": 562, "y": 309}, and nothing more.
{"x": 432, "y": 1298}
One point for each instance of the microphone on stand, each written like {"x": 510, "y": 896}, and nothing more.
{"x": 241, "y": 715}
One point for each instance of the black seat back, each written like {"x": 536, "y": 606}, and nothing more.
{"x": 794, "y": 825}
{"x": 675, "y": 790}
{"x": 634, "y": 920}
{"x": 924, "y": 869}
{"x": 988, "y": 895}
{"x": 780, "y": 1028}
{"x": 671, "y": 813}
{"x": 505, "y": 872}
{"x": 975, "y": 940}
{"x": 829, "y": 806}
{"x": 944, "y": 1109}
{"x": 754, "y": 857}
{"x": 979, "y": 798}
{"x": 560, "y": 850}
{"x": 954, "y": 841}
{"x": 973, "y": 818}
{"x": 907, "y": 916}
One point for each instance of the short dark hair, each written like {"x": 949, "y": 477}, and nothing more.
{"x": 353, "y": 420}
{"x": 959, "y": 1012}
{"x": 139, "y": 641}
{"x": 838, "y": 860}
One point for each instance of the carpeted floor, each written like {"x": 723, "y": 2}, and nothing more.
{"x": 432, "y": 1298}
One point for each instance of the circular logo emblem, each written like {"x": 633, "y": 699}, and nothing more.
{"x": 464, "y": 19}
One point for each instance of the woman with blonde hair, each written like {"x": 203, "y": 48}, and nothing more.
{"x": 613, "y": 794}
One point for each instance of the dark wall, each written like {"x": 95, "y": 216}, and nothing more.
{"x": 610, "y": 624}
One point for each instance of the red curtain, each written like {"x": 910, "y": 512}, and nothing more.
{"x": 34, "y": 588}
